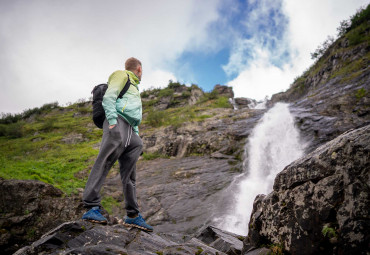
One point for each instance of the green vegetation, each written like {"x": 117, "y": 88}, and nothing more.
{"x": 199, "y": 251}
{"x": 360, "y": 93}
{"x": 108, "y": 203}
{"x": 176, "y": 116}
{"x": 55, "y": 144}
{"x": 361, "y": 16}
{"x": 351, "y": 69}
{"x": 355, "y": 30}
{"x": 151, "y": 156}
{"x": 33, "y": 149}
{"x": 276, "y": 249}
{"x": 7, "y": 118}
{"x": 329, "y": 232}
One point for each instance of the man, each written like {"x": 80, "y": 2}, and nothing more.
{"x": 120, "y": 142}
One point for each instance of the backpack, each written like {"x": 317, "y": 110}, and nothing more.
{"x": 98, "y": 114}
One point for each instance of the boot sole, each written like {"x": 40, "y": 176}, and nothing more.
{"x": 96, "y": 221}
{"x": 136, "y": 226}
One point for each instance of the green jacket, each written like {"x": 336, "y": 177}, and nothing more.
{"x": 129, "y": 106}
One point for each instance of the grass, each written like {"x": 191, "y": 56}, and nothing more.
{"x": 176, "y": 116}
{"x": 352, "y": 69}
{"x": 109, "y": 202}
{"x": 360, "y": 93}
{"x": 32, "y": 147}
{"x": 39, "y": 154}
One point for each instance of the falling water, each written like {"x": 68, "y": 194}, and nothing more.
{"x": 273, "y": 144}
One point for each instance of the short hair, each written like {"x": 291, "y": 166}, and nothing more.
{"x": 131, "y": 64}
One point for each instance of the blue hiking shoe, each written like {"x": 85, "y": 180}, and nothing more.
{"x": 95, "y": 215}
{"x": 137, "y": 222}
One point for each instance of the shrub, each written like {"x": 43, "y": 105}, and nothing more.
{"x": 186, "y": 94}
{"x": 47, "y": 125}
{"x": 173, "y": 85}
{"x": 12, "y": 130}
{"x": 360, "y": 17}
{"x": 358, "y": 35}
{"x": 165, "y": 92}
{"x": 155, "y": 118}
{"x": 7, "y": 118}
{"x": 145, "y": 94}
{"x": 221, "y": 102}
{"x": 321, "y": 49}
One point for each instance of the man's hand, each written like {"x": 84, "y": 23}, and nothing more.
{"x": 111, "y": 126}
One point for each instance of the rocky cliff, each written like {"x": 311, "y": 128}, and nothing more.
{"x": 333, "y": 95}
{"x": 320, "y": 203}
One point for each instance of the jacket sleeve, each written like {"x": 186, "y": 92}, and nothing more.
{"x": 116, "y": 82}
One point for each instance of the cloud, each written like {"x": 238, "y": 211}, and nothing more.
{"x": 58, "y": 50}
{"x": 261, "y": 76}
{"x": 310, "y": 22}
{"x": 156, "y": 79}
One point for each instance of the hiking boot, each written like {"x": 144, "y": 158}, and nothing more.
{"x": 137, "y": 222}
{"x": 95, "y": 215}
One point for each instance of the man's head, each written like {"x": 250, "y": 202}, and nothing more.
{"x": 134, "y": 65}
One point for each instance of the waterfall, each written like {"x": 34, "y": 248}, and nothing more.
{"x": 273, "y": 144}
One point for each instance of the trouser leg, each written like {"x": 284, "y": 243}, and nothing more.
{"x": 127, "y": 163}
{"x": 110, "y": 149}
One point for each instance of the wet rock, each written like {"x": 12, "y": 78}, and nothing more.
{"x": 259, "y": 251}
{"x": 81, "y": 237}
{"x": 178, "y": 195}
{"x": 29, "y": 209}
{"x": 243, "y": 102}
{"x": 320, "y": 202}
{"x": 221, "y": 240}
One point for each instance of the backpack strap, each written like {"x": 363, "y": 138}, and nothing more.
{"x": 125, "y": 88}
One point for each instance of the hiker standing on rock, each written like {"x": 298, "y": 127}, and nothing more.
{"x": 120, "y": 142}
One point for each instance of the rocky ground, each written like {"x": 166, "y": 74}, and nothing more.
{"x": 178, "y": 193}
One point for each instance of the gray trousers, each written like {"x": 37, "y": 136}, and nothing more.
{"x": 119, "y": 143}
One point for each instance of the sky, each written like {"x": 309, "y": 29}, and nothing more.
{"x": 54, "y": 50}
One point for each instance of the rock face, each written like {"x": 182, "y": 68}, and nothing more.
{"x": 328, "y": 99}
{"x": 80, "y": 237}
{"x": 30, "y": 208}
{"x": 243, "y": 102}
{"x": 320, "y": 203}
{"x": 223, "y": 90}
{"x": 224, "y": 132}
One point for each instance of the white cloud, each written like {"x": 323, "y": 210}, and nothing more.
{"x": 261, "y": 77}
{"x": 58, "y": 50}
{"x": 310, "y": 22}
{"x": 156, "y": 79}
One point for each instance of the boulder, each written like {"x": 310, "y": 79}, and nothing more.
{"x": 29, "y": 209}
{"x": 320, "y": 203}
{"x": 222, "y": 240}
{"x": 243, "y": 102}
{"x": 223, "y": 90}
{"x": 196, "y": 94}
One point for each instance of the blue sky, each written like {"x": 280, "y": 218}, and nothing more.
{"x": 58, "y": 50}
